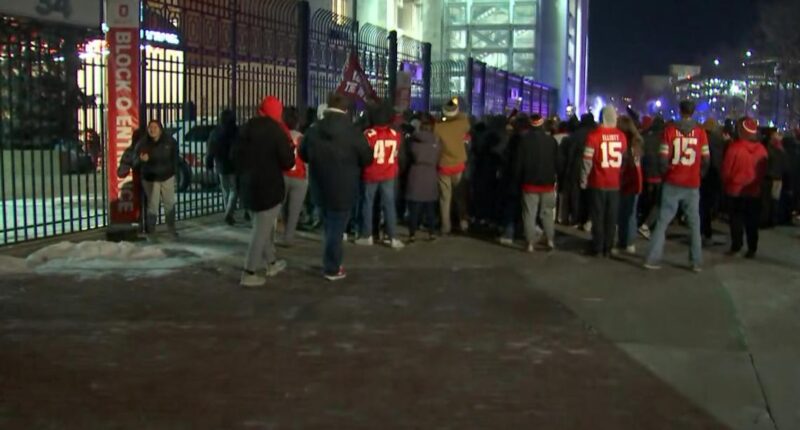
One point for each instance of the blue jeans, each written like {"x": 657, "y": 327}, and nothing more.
{"x": 672, "y": 198}
{"x": 386, "y": 189}
{"x": 626, "y": 225}
{"x": 333, "y": 225}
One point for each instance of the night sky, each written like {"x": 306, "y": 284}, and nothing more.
{"x": 631, "y": 38}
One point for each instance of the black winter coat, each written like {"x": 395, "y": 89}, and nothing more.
{"x": 163, "y": 158}
{"x": 263, "y": 152}
{"x": 423, "y": 178}
{"x": 537, "y": 160}
{"x": 571, "y": 152}
{"x": 220, "y": 146}
{"x": 652, "y": 147}
{"x": 336, "y": 152}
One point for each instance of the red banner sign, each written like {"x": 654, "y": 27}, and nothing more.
{"x": 355, "y": 83}
{"x": 123, "y": 106}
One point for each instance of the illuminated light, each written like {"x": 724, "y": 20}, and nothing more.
{"x": 597, "y": 106}
{"x": 723, "y": 108}
{"x": 161, "y": 37}
{"x": 658, "y": 104}
{"x": 716, "y": 62}
{"x": 748, "y": 53}
{"x": 755, "y": 107}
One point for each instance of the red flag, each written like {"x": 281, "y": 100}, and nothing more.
{"x": 355, "y": 83}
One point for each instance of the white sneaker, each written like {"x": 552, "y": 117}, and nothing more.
{"x": 252, "y": 280}
{"x": 277, "y": 267}
{"x": 588, "y": 226}
{"x": 344, "y": 237}
{"x": 338, "y": 276}
{"x": 364, "y": 241}
{"x": 614, "y": 252}
{"x": 551, "y": 246}
{"x": 644, "y": 231}
{"x": 464, "y": 226}
{"x": 396, "y": 244}
{"x": 529, "y": 248}
{"x": 631, "y": 249}
{"x": 506, "y": 241}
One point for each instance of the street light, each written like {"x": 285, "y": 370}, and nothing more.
{"x": 749, "y": 53}
{"x": 716, "y": 62}
{"x": 658, "y": 104}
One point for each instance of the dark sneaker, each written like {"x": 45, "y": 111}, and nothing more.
{"x": 750, "y": 255}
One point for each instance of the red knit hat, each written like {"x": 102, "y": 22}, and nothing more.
{"x": 747, "y": 128}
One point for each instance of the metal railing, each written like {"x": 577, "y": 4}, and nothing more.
{"x": 197, "y": 59}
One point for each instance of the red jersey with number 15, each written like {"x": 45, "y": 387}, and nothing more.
{"x": 385, "y": 144}
{"x": 684, "y": 153}
{"x": 605, "y": 148}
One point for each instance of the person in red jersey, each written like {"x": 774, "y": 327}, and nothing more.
{"x": 743, "y": 172}
{"x": 684, "y": 157}
{"x": 381, "y": 175}
{"x": 296, "y": 180}
{"x": 603, "y": 158}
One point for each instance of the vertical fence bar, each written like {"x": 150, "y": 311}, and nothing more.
{"x": 426, "y": 77}
{"x": 392, "y": 66}
{"x": 470, "y": 85}
{"x": 303, "y": 36}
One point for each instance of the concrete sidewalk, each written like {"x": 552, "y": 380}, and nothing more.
{"x": 460, "y": 333}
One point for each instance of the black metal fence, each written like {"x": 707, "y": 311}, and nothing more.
{"x": 51, "y": 132}
{"x": 198, "y": 58}
{"x": 487, "y": 90}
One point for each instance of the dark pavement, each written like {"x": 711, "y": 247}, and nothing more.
{"x": 443, "y": 335}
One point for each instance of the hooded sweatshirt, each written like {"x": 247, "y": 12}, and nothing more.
{"x": 604, "y": 155}
{"x": 744, "y": 168}
{"x": 336, "y": 152}
{"x": 264, "y": 152}
{"x": 684, "y": 154}
{"x": 220, "y": 142}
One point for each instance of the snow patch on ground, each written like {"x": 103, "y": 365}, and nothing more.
{"x": 97, "y": 259}
{"x": 13, "y": 266}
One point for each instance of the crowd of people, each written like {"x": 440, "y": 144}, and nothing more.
{"x": 514, "y": 176}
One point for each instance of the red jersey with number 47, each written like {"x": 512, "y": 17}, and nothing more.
{"x": 605, "y": 148}
{"x": 385, "y": 144}
{"x": 684, "y": 153}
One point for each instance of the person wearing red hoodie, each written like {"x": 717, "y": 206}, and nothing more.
{"x": 381, "y": 175}
{"x": 743, "y": 171}
{"x": 263, "y": 153}
{"x": 603, "y": 158}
